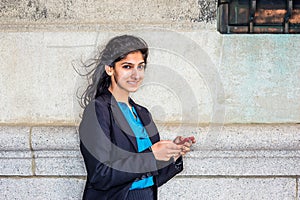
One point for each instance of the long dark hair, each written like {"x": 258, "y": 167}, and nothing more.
{"x": 115, "y": 50}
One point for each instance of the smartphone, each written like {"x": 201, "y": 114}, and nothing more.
{"x": 187, "y": 139}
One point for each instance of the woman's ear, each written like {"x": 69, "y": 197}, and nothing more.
{"x": 109, "y": 70}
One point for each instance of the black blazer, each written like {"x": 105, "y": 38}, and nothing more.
{"x": 110, "y": 152}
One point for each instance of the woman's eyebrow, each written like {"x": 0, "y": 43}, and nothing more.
{"x": 129, "y": 63}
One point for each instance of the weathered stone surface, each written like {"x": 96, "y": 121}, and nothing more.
{"x": 235, "y": 151}
{"x": 229, "y": 188}
{"x": 238, "y": 137}
{"x": 41, "y": 188}
{"x": 65, "y": 13}
{"x": 243, "y": 100}
{"x": 298, "y": 189}
{"x": 243, "y": 162}
{"x": 54, "y": 138}
{"x": 59, "y": 163}
{"x": 16, "y": 163}
{"x": 46, "y": 72}
{"x": 15, "y": 154}
{"x": 255, "y": 71}
{"x": 255, "y": 150}
{"x": 14, "y": 138}
{"x": 56, "y": 102}
{"x": 56, "y": 151}
{"x": 238, "y": 164}
{"x": 178, "y": 188}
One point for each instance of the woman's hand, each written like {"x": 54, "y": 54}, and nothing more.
{"x": 166, "y": 149}
{"x": 185, "y": 142}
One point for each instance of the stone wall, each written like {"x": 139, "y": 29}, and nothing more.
{"x": 237, "y": 162}
{"x": 238, "y": 94}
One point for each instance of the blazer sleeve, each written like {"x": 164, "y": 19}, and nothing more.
{"x": 103, "y": 171}
{"x": 166, "y": 169}
{"x": 165, "y": 173}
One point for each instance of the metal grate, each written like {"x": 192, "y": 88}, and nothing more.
{"x": 259, "y": 16}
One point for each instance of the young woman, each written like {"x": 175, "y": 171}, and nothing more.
{"x": 123, "y": 154}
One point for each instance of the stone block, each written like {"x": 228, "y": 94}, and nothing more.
{"x": 255, "y": 78}
{"x": 59, "y": 163}
{"x": 56, "y": 101}
{"x": 16, "y": 163}
{"x": 41, "y": 188}
{"x": 14, "y": 138}
{"x": 15, "y": 154}
{"x": 229, "y": 188}
{"x": 254, "y": 150}
{"x": 54, "y": 138}
{"x": 129, "y": 11}
{"x": 237, "y": 137}
{"x": 298, "y": 187}
{"x": 56, "y": 151}
{"x": 243, "y": 164}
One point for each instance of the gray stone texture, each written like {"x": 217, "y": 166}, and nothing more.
{"x": 14, "y": 138}
{"x": 111, "y": 12}
{"x": 178, "y": 188}
{"x": 258, "y": 137}
{"x": 56, "y": 151}
{"x": 59, "y": 163}
{"x": 229, "y": 188}
{"x": 41, "y": 188}
{"x": 252, "y": 150}
{"x": 239, "y": 164}
{"x": 298, "y": 187}
{"x": 54, "y": 138}
{"x": 53, "y": 100}
{"x": 264, "y": 65}
{"x": 15, "y": 154}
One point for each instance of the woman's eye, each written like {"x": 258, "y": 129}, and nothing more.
{"x": 126, "y": 67}
{"x": 141, "y": 67}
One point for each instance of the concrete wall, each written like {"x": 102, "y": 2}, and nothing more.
{"x": 197, "y": 81}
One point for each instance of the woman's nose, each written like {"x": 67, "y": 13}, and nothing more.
{"x": 135, "y": 73}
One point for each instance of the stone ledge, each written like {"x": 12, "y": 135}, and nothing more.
{"x": 105, "y": 27}
{"x": 298, "y": 187}
{"x": 255, "y": 150}
{"x": 14, "y": 138}
{"x": 41, "y": 188}
{"x": 239, "y": 137}
{"x": 114, "y": 12}
{"x": 229, "y": 188}
{"x": 59, "y": 163}
{"x": 243, "y": 166}
{"x": 181, "y": 188}
{"x": 54, "y": 138}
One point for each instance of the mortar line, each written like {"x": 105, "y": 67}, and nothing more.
{"x": 297, "y": 188}
{"x": 44, "y": 176}
{"x": 72, "y": 124}
{"x": 237, "y": 176}
{"x": 33, "y": 163}
{"x": 177, "y": 177}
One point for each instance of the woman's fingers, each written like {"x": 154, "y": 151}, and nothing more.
{"x": 165, "y": 149}
{"x": 185, "y": 143}
{"x": 178, "y": 139}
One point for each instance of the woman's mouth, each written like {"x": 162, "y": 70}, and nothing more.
{"x": 132, "y": 82}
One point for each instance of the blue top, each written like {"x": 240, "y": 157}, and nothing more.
{"x": 142, "y": 138}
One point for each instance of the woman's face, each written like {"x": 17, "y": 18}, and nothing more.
{"x": 128, "y": 73}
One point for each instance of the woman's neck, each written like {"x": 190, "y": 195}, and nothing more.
{"x": 120, "y": 96}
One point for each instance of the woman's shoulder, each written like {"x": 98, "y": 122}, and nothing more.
{"x": 138, "y": 106}
{"x": 97, "y": 105}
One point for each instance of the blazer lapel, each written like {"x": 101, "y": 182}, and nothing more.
{"x": 122, "y": 122}
{"x": 147, "y": 121}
